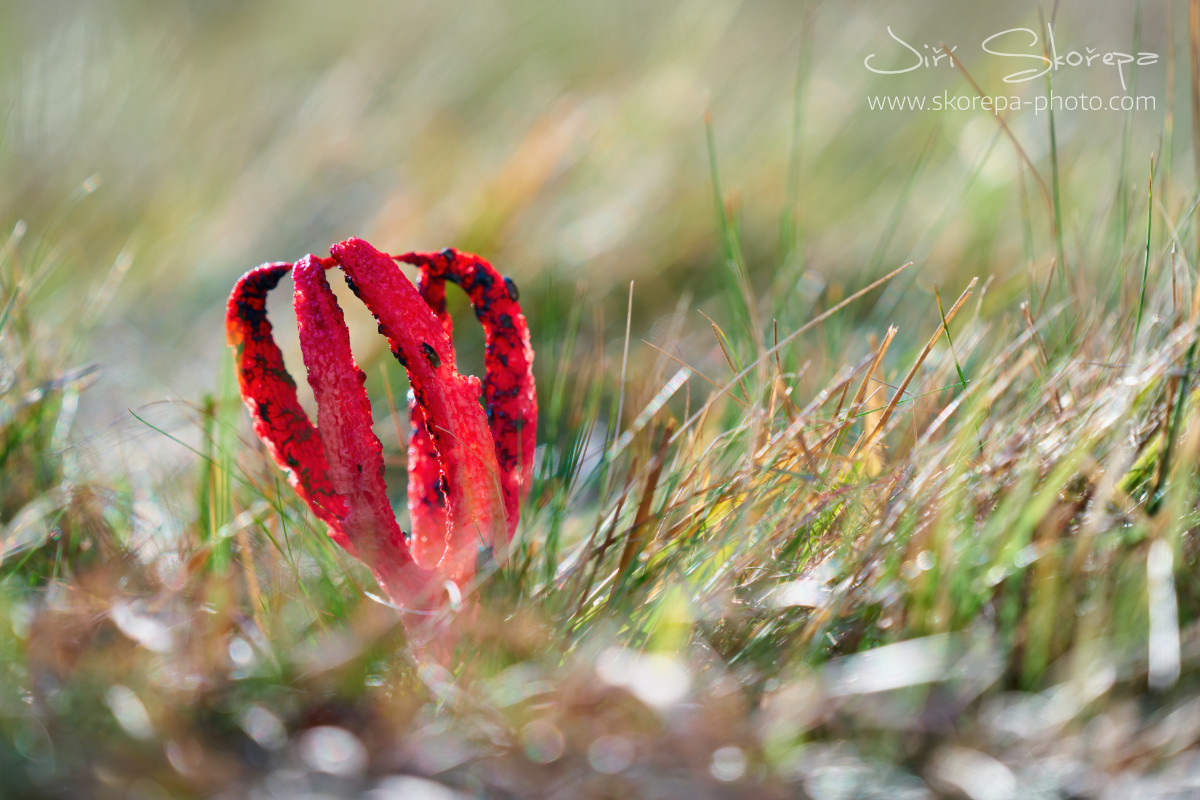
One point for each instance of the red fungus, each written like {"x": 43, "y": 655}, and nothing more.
{"x": 469, "y": 471}
{"x": 508, "y": 388}
{"x": 270, "y": 394}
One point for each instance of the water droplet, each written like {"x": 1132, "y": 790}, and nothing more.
{"x": 333, "y": 750}
{"x": 407, "y": 787}
{"x": 241, "y": 654}
{"x": 728, "y": 764}
{"x": 263, "y": 727}
{"x": 542, "y": 741}
{"x": 657, "y": 680}
{"x": 129, "y": 712}
{"x": 610, "y": 754}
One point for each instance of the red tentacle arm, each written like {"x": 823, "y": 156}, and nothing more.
{"x": 454, "y": 418}
{"x": 426, "y": 484}
{"x": 269, "y": 393}
{"x": 352, "y": 450}
{"x": 508, "y": 384}
{"x": 426, "y": 491}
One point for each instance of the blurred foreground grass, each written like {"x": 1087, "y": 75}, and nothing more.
{"x": 941, "y": 541}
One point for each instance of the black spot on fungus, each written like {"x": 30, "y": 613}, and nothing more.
{"x": 483, "y": 279}
{"x": 513, "y": 293}
{"x": 250, "y": 311}
{"x": 506, "y": 321}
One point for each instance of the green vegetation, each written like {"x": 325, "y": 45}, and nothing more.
{"x": 807, "y": 521}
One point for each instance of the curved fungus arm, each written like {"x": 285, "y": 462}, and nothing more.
{"x": 426, "y": 483}
{"x": 454, "y": 419}
{"x": 508, "y": 385}
{"x": 352, "y": 450}
{"x": 269, "y": 393}
{"x": 426, "y": 490}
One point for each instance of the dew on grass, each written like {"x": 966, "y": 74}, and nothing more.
{"x": 657, "y": 680}
{"x": 333, "y": 750}
{"x": 974, "y": 774}
{"x": 728, "y": 764}
{"x": 543, "y": 742}
{"x": 150, "y": 631}
{"x": 129, "y": 712}
{"x": 263, "y": 727}
{"x": 241, "y": 654}
{"x": 408, "y": 787}
{"x": 610, "y": 754}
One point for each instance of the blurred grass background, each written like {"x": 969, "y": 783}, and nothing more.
{"x": 176, "y": 623}
{"x": 564, "y": 142}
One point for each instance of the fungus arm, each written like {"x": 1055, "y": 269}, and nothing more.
{"x": 269, "y": 393}
{"x": 352, "y": 450}
{"x": 455, "y": 420}
{"x": 508, "y": 384}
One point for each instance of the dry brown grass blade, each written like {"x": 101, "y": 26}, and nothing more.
{"x": 585, "y": 588}
{"x": 802, "y": 420}
{"x": 900, "y": 390}
{"x": 694, "y": 370}
{"x": 785, "y": 392}
{"x": 637, "y": 534}
{"x": 840, "y": 388}
{"x": 859, "y": 396}
{"x": 721, "y": 339}
{"x": 788, "y": 340}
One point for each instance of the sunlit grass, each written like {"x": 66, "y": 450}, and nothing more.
{"x": 1019, "y": 513}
